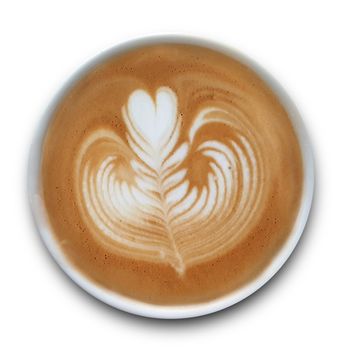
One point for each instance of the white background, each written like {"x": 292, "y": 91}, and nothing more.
{"x": 305, "y": 45}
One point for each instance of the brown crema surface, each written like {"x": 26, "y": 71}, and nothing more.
{"x": 191, "y": 260}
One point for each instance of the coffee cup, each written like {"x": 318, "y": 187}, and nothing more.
{"x": 171, "y": 177}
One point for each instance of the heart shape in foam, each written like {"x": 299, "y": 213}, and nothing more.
{"x": 152, "y": 208}
{"x": 154, "y": 121}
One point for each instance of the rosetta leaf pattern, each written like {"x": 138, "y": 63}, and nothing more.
{"x": 139, "y": 193}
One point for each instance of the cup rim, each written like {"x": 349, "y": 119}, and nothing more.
{"x": 174, "y": 311}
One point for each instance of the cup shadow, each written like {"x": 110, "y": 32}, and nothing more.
{"x": 189, "y": 324}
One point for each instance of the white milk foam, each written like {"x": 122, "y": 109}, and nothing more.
{"x": 138, "y": 193}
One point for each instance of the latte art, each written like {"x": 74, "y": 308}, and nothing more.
{"x": 171, "y": 174}
{"x": 141, "y": 194}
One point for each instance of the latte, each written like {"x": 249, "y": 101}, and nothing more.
{"x": 171, "y": 174}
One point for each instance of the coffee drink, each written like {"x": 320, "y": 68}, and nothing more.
{"x": 171, "y": 174}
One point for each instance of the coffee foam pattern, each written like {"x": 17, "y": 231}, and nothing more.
{"x": 142, "y": 196}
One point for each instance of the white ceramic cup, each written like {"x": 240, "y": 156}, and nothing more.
{"x": 134, "y": 306}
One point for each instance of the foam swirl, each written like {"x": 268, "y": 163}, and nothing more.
{"x": 165, "y": 194}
